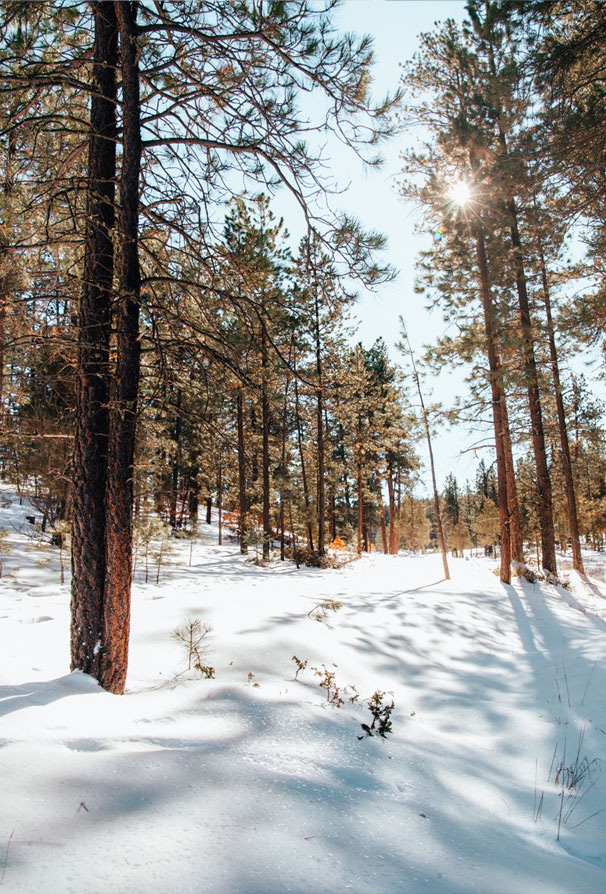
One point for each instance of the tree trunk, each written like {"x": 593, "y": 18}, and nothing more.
{"x": 571, "y": 502}
{"x": 94, "y": 324}
{"x": 393, "y": 544}
{"x": 220, "y": 498}
{"x": 116, "y": 619}
{"x": 310, "y": 536}
{"x": 513, "y": 507}
{"x": 534, "y": 401}
{"x": 320, "y": 430}
{"x": 436, "y": 499}
{"x": 383, "y": 525}
{"x": 242, "y": 496}
{"x": 175, "y": 465}
{"x": 360, "y": 488}
{"x": 498, "y": 400}
{"x": 265, "y": 423}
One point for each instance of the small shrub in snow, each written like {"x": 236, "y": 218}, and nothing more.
{"x": 191, "y": 634}
{"x": 320, "y": 611}
{"x": 5, "y": 547}
{"x": 312, "y": 559}
{"x": 301, "y": 665}
{"x": 335, "y": 695}
{"x": 381, "y": 715}
{"x": 519, "y": 569}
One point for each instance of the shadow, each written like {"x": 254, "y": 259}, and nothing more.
{"x": 39, "y": 693}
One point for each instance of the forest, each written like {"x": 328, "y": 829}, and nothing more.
{"x": 170, "y": 353}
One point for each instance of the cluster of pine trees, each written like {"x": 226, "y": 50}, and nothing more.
{"x": 164, "y": 343}
{"x": 513, "y": 104}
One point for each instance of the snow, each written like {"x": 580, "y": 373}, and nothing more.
{"x": 256, "y": 783}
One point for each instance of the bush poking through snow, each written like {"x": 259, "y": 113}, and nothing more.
{"x": 381, "y": 715}
{"x": 320, "y": 611}
{"x": 329, "y": 560}
{"x": 301, "y": 665}
{"x": 5, "y": 547}
{"x": 335, "y": 695}
{"x": 191, "y": 634}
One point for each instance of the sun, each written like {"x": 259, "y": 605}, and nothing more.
{"x": 460, "y": 192}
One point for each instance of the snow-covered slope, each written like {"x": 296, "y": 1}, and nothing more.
{"x": 253, "y": 782}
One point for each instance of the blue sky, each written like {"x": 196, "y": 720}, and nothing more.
{"x": 395, "y": 26}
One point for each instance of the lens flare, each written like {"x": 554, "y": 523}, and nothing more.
{"x": 460, "y": 193}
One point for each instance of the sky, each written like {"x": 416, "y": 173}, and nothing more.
{"x": 373, "y": 197}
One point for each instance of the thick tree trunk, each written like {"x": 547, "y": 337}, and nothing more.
{"x": 571, "y": 501}
{"x": 94, "y": 324}
{"x": 116, "y": 620}
{"x": 498, "y": 401}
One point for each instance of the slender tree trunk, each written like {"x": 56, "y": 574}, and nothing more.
{"x": 242, "y": 495}
{"x": 176, "y": 465}
{"x": 116, "y": 619}
{"x": 436, "y": 499}
{"x": 5, "y": 267}
{"x": 283, "y": 459}
{"x": 534, "y": 401}
{"x": 265, "y": 423}
{"x": 393, "y": 544}
{"x": 92, "y": 416}
{"x": 498, "y": 400}
{"x": 513, "y": 506}
{"x": 209, "y": 510}
{"x": 220, "y": 498}
{"x": 310, "y": 536}
{"x": 360, "y": 503}
{"x": 383, "y": 525}
{"x": 321, "y": 499}
{"x": 571, "y": 501}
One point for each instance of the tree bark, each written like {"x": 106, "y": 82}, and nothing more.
{"x": 571, "y": 502}
{"x": 321, "y": 489}
{"x": 310, "y": 536}
{"x": 242, "y": 495}
{"x": 94, "y": 323}
{"x": 220, "y": 498}
{"x": 265, "y": 423}
{"x": 393, "y": 543}
{"x": 383, "y": 525}
{"x": 544, "y": 496}
{"x": 513, "y": 506}
{"x": 498, "y": 400}
{"x": 116, "y": 620}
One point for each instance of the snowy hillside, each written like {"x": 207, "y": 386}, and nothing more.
{"x": 491, "y": 779}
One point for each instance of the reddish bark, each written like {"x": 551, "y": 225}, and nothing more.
{"x": 116, "y": 620}
{"x": 91, "y": 436}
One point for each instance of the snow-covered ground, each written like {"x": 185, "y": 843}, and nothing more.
{"x": 491, "y": 781}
